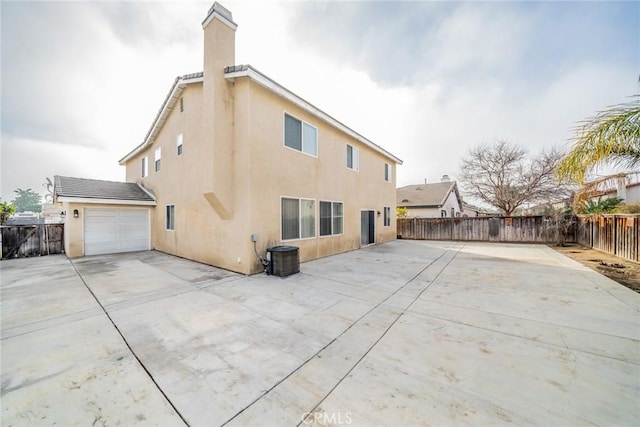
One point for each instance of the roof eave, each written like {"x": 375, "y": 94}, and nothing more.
{"x": 170, "y": 101}
{"x": 91, "y": 200}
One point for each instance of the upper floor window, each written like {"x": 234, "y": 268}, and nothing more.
{"x": 298, "y": 218}
{"x": 353, "y": 158}
{"x": 158, "y": 158}
{"x": 387, "y": 216}
{"x": 331, "y": 218}
{"x": 300, "y": 135}
{"x": 145, "y": 166}
{"x": 179, "y": 144}
{"x": 181, "y": 105}
{"x": 387, "y": 172}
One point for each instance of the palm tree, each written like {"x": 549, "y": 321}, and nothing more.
{"x": 610, "y": 137}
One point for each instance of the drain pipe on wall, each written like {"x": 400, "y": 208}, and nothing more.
{"x": 265, "y": 262}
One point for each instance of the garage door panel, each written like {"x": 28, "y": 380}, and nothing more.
{"x": 115, "y": 230}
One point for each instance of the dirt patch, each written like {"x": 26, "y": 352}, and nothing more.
{"x": 625, "y": 272}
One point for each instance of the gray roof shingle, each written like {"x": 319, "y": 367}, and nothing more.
{"x": 425, "y": 194}
{"x": 65, "y": 186}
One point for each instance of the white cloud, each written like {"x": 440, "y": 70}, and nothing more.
{"x": 426, "y": 80}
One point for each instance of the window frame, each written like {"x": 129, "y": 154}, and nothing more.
{"x": 158, "y": 159}
{"x": 145, "y": 166}
{"x": 179, "y": 140}
{"x": 302, "y": 139}
{"x": 387, "y": 172}
{"x": 355, "y": 159}
{"x": 170, "y": 218}
{"x": 387, "y": 216}
{"x": 300, "y": 219}
{"x": 332, "y": 218}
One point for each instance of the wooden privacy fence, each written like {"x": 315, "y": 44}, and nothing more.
{"x": 32, "y": 240}
{"x": 525, "y": 229}
{"x": 615, "y": 234}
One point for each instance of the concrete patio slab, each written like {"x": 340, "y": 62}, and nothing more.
{"x": 405, "y": 333}
{"x": 63, "y": 362}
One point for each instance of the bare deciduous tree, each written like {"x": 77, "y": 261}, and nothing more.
{"x": 501, "y": 175}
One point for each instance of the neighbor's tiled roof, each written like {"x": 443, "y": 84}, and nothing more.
{"x": 82, "y": 188}
{"x": 425, "y": 194}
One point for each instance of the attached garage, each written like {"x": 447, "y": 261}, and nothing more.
{"x": 104, "y": 217}
{"x": 108, "y": 231}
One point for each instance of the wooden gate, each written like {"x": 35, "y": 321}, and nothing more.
{"x": 32, "y": 240}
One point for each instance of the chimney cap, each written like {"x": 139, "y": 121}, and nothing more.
{"x": 445, "y": 178}
{"x": 222, "y": 13}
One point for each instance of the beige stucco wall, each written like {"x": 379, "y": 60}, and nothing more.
{"x": 228, "y": 183}
{"x": 262, "y": 171}
{"x": 277, "y": 171}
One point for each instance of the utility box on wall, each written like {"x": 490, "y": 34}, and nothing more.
{"x": 283, "y": 260}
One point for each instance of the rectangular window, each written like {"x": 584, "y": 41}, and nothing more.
{"x": 179, "y": 144}
{"x": 387, "y": 172}
{"x": 145, "y": 166}
{"x": 298, "y": 218}
{"x": 181, "y": 105}
{"x": 387, "y": 216}
{"x": 158, "y": 158}
{"x": 331, "y": 218}
{"x": 300, "y": 136}
{"x": 353, "y": 158}
{"x": 170, "y": 217}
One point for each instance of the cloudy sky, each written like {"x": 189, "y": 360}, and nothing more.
{"x": 82, "y": 81}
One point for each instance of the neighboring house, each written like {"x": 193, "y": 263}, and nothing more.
{"x": 237, "y": 164}
{"x": 471, "y": 211}
{"x": 24, "y": 218}
{"x": 629, "y": 192}
{"x": 438, "y": 200}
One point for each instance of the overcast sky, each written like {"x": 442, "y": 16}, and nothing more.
{"x": 82, "y": 81}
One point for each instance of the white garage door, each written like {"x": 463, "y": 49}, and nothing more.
{"x": 108, "y": 231}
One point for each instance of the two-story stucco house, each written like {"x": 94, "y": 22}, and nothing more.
{"x": 234, "y": 157}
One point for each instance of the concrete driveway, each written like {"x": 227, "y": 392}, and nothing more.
{"x": 405, "y": 333}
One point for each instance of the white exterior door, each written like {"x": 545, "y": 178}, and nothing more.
{"x": 112, "y": 230}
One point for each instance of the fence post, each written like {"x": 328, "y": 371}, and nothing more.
{"x": 615, "y": 234}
